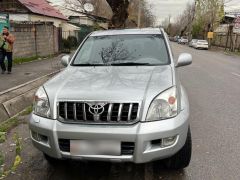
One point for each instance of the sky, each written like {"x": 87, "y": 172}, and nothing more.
{"x": 231, "y": 5}
{"x": 163, "y": 8}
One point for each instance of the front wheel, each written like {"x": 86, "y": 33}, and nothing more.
{"x": 182, "y": 158}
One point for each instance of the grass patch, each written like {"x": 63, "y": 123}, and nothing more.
{"x": 27, "y": 111}
{"x": 2, "y": 137}
{"x": 1, "y": 163}
{"x": 1, "y": 159}
{"x": 17, "y": 160}
{"x": 21, "y": 60}
{"x": 227, "y": 52}
{"x": 8, "y": 124}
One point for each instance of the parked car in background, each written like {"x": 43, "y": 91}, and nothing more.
{"x": 192, "y": 42}
{"x": 201, "y": 44}
{"x": 171, "y": 38}
{"x": 176, "y": 38}
{"x": 183, "y": 40}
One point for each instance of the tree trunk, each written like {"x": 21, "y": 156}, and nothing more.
{"x": 120, "y": 13}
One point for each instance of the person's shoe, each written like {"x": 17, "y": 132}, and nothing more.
{"x": 3, "y": 72}
{"x": 9, "y": 72}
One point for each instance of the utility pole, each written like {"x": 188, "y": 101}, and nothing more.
{"x": 139, "y": 13}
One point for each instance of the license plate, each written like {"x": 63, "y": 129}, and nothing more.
{"x": 103, "y": 147}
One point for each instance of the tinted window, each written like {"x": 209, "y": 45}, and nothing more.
{"x": 107, "y": 50}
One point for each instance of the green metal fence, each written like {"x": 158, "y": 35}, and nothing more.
{"x": 84, "y": 31}
{"x": 4, "y": 21}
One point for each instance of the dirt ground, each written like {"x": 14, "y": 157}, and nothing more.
{"x": 33, "y": 165}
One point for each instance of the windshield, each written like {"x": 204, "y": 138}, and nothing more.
{"x": 123, "y": 50}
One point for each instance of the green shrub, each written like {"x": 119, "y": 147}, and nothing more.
{"x": 73, "y": 41}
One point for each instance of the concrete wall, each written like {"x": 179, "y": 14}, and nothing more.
{"x": 220, "y": 40}
{"x": 35, "y": 40}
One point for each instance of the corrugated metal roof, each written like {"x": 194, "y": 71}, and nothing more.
{"x": 42, "y": 7}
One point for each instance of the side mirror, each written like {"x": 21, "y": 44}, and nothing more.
{"x": 65, "y": 60}
{"x": 184, "y": 59}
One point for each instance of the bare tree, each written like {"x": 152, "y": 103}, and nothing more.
{"x": 101, "y": 7}
{"x": 146, "y": 16}
{"x": 120, "y": 12}
{"x": 182, "y": 24}
{"x": 117, "y": 11}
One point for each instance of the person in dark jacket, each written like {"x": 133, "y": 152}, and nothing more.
{"x": 7, "y": 50}
{"x": 2, "y": 47}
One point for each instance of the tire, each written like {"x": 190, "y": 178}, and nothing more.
{"x": 51, "y": 160}
{"x": 182, "y": 159}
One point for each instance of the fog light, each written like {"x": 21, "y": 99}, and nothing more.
{"x": 35, "y": 136}
{"x": 39, "y": 137}
{"x": 169, "y": 141}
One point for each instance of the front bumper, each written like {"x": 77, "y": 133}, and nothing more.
{"x": 202, "y": 46}
{"x": 142, "y": 135}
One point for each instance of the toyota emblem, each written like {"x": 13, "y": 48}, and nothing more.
{"x": 96, "y": 109}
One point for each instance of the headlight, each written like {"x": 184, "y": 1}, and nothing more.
{"x": 164, "y": 105}
{"x": 41, "y": 105}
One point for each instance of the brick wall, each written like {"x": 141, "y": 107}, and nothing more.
{"x": 35, "y": 39}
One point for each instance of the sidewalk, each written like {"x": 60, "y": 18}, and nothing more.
{"x": 17, "y": 89}
{"x": 29, "y": 71}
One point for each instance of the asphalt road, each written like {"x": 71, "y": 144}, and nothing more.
{"x": 213, "y": 86}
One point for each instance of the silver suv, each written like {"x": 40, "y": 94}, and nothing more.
{"x": 118, "y": 100}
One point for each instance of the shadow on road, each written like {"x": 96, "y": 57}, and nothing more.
{"x": 110, "y": 171}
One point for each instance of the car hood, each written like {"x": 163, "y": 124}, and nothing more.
{"x": 110, "y": 83}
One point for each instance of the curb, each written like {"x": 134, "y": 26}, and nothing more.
{"x": 16, "y": 99}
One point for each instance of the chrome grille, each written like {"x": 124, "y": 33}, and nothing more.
{"x": 79, "y": 112}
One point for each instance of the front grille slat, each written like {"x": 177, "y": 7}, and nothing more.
{"x": 84, "y": 112}
{"x": 112, "y": 113}
{"x": 120, "y": 112}
{"x": 74, "y": 111}
{"x": 130, "y": 111}
{"x": 109, "y": 112}
{"x": 65, "y": 110}
{"x": 134, "y": 111}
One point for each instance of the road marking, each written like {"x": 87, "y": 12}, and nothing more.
{"x": 235, "y": 74}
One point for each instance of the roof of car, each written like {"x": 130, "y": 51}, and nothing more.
{"x": 127, "y": 31}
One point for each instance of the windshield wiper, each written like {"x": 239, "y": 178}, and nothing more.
{"x": 89, "y": 64}
{"x": 130, "y": 64}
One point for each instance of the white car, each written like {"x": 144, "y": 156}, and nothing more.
{"x": 183, "y": 41}
{"x": 193, "y": 42}
{"x": 201, "y": 44}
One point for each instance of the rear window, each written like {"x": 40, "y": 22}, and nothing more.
{"x": 107, "y": 50}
